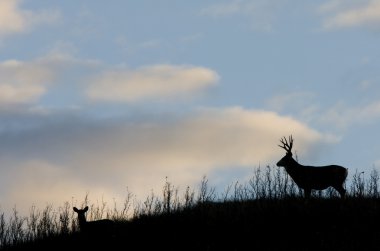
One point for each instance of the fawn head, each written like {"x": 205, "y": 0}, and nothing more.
{"x": 81, "y": 214}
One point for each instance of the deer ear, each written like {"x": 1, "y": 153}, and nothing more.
{"x": 85, "y": 209}
{"x": 75, "y": 209}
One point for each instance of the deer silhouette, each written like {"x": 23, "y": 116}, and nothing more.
{"x": 312, "y": 177}
{"x": 96, "y": 227}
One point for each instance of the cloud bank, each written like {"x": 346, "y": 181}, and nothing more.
{"x": 151, "y": 82}
{"x": 65, "y": 158}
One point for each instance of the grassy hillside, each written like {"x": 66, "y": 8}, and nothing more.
{"x": 267, "y": 213}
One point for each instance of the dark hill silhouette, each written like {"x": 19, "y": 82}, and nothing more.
{"x": 267, "y": 213}
{"x": 288, "y": 224}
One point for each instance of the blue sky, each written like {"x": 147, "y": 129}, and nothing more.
{"x": 96, "y": 97}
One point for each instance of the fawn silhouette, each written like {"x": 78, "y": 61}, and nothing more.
{"x": 98, "y": 227}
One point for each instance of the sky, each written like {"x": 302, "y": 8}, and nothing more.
{"x": 104, "y": 97}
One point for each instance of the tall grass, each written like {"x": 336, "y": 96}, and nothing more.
{"x": 266, "y": 184}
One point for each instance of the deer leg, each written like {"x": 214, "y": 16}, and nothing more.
{"x": 341, "y": 191}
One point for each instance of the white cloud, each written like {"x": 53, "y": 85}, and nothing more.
{"x": 302, "y": 105}
{"x": 261, "y": 14}
{"x": 15, "y": 20}
{"x": 11, "y": 20}
{"x": 223, "y": 9}
{"x": 22, "y": 82}
{"x": 290, "y": 100}
{"x": 152, "y": 82}
{"x": 345, "y": 14}
{"x": 25, "y": 82}
{"x": 69, "y": 158}
{"x": 342, "y": 116}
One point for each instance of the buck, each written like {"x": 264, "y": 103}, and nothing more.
{"x": 98, "y": 226}
{"x": 312, "y": 177}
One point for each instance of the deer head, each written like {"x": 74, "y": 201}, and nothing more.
{"x": 81, "y": 215}
{"x": 288, "y": 158}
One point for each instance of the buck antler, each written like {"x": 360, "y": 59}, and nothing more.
{"x": 287, "y": 145}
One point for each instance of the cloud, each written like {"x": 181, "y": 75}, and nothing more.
{"x": 15, "y": 20}
{"x": 261, "y": 14}
{"x": 57, "y": 75}
{"x": 223, "y": 9}
{"x": 346, "y": 14}
{"x": 61, "y": 158}
{"x": 22, "y": 82}
{"x": 151, "y": 82}
{"x": 377, "y": 164}
{"x": 11, "y": 19}
{"x": 290, "y": 100}
{"x": 343, "y": 117}
{"x": 335, "y": 118}
{"x": 37, "y": 182}
{"x": 62, "y": 76}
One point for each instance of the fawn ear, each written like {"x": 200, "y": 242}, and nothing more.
{"x": 85, "y": 209}
{"x": 75, "y": 209}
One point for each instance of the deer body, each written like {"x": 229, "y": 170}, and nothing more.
{"x": 98, "y": 226}
{"x": 312, "y": 177}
